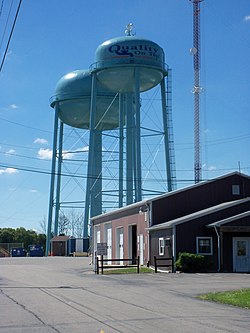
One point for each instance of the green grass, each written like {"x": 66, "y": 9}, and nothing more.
{"x": 129, "y": 270}
{"x": 239, "y": 298}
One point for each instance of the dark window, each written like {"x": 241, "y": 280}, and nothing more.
{"x": 204, "y": 245}
{"x": 236, "y": 189}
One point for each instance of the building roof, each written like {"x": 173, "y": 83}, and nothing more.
{"x": 60, "y": 238}
{"x": 201, "y": 213}
{"x": 200, "y": 184}
{"x": 168, "y": 194}
{"x": 229, "y": 219}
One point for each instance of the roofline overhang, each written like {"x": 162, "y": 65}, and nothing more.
{"x": 229, "y": 219}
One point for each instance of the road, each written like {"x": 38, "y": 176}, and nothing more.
{"x": 60, "y": 294}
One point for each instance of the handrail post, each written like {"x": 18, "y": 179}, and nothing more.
{"x": 97, "y": 265}
{"x": 155, "y": 262}
{"x": 102, "y": 263}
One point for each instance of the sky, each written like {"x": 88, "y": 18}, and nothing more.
{"x": 52, "y": 38}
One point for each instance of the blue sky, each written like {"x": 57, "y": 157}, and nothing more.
{"x": 53, "y": 37}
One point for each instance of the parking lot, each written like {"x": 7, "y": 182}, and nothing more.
{"x": 62, "y": 294}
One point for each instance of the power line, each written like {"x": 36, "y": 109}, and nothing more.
{"x": 1, "y": 9}
{"x": 12, "y": 29}
{"x": 7, "y": 21}
{"x": 22, "y": 125}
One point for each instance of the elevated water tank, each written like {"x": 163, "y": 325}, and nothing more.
{"x": 117, "y": 58}
{"x": 73, "y": 96}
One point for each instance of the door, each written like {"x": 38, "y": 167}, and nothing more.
{"x": 108, "y": 239}
{"x": 79, "y": 245}
{"x": 119, "y": 244}
{"x": 132, "y": 243}
{"x": 97, "y": 237}
{"x": 241, "y": 254}
{"x": 141, "y": 248}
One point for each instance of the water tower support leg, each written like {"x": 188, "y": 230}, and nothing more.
{"x": 166, "y": 134}
{"x": 90, "y": 155}
{"x": 129, "y": 148}
{"x": 138, "y": 196}
{"x": 96, "y": 188}
{"x": 52, "y": 183}
{"x": 59, "y": 172}
{"x": 121, "y": 139}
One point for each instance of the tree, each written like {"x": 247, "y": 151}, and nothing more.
{"x": 7, "y": 235}
{"x": 27, "y": 237}
{"x": 21, "y": 235}
{"x": 43, "y": 225}
{"x": 63, "y": 224}
{"x": 76, "y": 223}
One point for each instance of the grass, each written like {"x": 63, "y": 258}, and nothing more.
{"x": 129, "y": 270}
{"x": 240, "y": 298}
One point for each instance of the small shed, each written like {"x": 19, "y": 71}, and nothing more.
{"x": 59, "y": 246}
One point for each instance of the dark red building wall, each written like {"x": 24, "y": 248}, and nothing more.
{"x": 199, "y": 197}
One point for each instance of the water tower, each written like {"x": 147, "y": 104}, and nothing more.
{"x": 108, "y": 97}
{"x": 72, "y": 104}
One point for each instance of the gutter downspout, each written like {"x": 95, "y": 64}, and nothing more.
{"x": 174, "y": 246}
{"x": 218, "y": 243}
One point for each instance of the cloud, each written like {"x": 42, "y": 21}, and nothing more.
{"x": 11, "y": 151}
{"x": 33, "y": 191}
{"x": 247, "y": 18}
{"x": 211, "y": 168}
{"x": 13, "y": 106}
{"x": 70, "y": 155}
{"x": 45, "y": 154}
{"x": 8, "y": 171}
{"x": 41, "y": 141}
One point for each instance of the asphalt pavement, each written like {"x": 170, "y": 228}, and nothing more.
{"x": 62, "y": 294}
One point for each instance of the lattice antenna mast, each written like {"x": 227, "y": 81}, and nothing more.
{"x": 195, "y": 51}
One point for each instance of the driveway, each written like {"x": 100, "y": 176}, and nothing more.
{"x": 60, "y": 294}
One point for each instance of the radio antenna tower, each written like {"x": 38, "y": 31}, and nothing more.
{"x": 195, "y": 51}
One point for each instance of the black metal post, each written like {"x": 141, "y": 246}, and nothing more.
{"x": 155, "y": 262}
{"x": 138, "y": 265}
{"x": 102, "y": 263}
{"x": 97, "y": 265}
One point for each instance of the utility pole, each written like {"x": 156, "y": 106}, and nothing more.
{"x": 195, "y": 51}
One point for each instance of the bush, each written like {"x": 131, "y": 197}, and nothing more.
{"x": 191, "y": 263}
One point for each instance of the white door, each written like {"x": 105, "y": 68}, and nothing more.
{"x": 141, "y": 248}
{"x": 97, "y": 237}
{"x": 119, "y": 244}
{"x": 79, "y": 245}
{"x": 109, "y": 244}
{"x": 241, "y": 251}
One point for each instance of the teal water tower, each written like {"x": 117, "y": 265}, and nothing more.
{"x": 128, "y": 66}
{"x": 72, "y": 104}
{"x": 107, "y": 97}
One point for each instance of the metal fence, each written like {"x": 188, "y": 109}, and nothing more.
{"x": 9, "y": 246}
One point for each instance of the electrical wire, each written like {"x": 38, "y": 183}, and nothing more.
{"x": 12, "y": 29}
{"x": 6, "y": 24}
{"x": 1, "y": 9}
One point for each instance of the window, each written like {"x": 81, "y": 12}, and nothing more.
{"x": 204, "y": 245}
{"x": 161, "y": 246}
{"x": 236, "y": 189}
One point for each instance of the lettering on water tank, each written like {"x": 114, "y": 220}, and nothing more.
{"x": 135, "y": 50}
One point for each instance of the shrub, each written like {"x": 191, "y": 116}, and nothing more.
{"x": 191, "y": 263}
